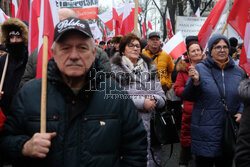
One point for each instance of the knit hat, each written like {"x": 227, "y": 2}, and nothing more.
{"x": 214, "y": 38}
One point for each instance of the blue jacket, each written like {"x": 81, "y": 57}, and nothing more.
{"x": 208, "y": 113}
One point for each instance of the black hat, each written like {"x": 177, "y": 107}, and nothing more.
{"x": 191, "y": 39}
{"x": 154, "y": 34}
{"x": 233, "y": 41}
{"x": 72, "y": 24}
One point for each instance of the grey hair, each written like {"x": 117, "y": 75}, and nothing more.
{"x": 53, "y": 47}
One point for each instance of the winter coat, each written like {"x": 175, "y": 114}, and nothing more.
{"x": 181, "y": 80}
{"x": 18, "y": 57}
{"x": 92, "y": 128}
{"x": 243, "y": 141}
{"x": 165, "y": 66}
{"x": 208, "y": 113}
{"x": 140, "y": 87}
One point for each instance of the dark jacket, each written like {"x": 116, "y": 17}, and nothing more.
{"x": 18, "y": 56}
{"x": 243, "y": 140}
{"x": 208, "y": 113}
{"x": 93, "y": 129}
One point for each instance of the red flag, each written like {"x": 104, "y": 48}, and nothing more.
{"x": 13, "y": 8}
{"x": 48, "y": 20}
{"x": 107, "y": 19}
{"x": 239, "y": 15}
{"x": 150, "y": 25}
{"x": 245, "y": 52}
{"x": 33, "y": 24}
{"x": 211, "y": 22}
{"x": 3, "y": 16}
{"x": 23, "y": 10}
{"x": 144, "y": 30}
{"x": 2, "y": 119}
{"x": 169, "y": 26}
{"x": 115, "y": 18}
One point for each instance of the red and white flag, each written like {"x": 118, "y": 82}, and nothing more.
{"x": 197, "y": 13}
{"x": 170, "y": 33}
{"x": 211, "y": 22}
{"x": 33, "y": 24}
{"x": 23, "y": 10}
{"x": 14, "y": 8}
{"x": 48, "y": 20}
{"x": 116, "y": 21}
{"x": 107, "y": 19}
{"x": 245, "y": 52}
{"x": 150, "y": 25}
{"x": 175, "y": 47}
{"x": 3, "y": 16}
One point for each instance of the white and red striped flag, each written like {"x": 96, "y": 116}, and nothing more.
{"x": 107, "y": 19}
{"x": 23, "y": 10}
{"x": 211, "y": 22}
{"x": 150, "y": 25}
{"x": 175, "y": 47}
{"x": 3, "y": 16}
{"x": 170, "y": 33}
{"x": 48, "y": 20}
{"x": 33, "y": 24}
{"x": 14, "y": 8}
{"x": 197, "y": 13}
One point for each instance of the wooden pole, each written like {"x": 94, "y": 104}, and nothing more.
{"x": 136, "y": 17}
{"x": 4, "y": 72}
{"x": 224, "y": 28}
{"x": 44, "y": 85}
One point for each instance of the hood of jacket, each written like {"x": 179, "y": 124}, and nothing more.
{"x": 10, "y": 25}
{"x": 244, "y": 90}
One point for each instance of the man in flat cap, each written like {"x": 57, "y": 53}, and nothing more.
{"x": 83, "y": 127}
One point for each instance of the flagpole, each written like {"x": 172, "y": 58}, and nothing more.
{"x": 224, "y": 28}
{"x": 136, "y": 17}
{"x": 4, "y": 72}
{"x": 44, "y": 85}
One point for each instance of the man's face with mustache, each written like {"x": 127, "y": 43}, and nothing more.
{"x": 74, "y": 54}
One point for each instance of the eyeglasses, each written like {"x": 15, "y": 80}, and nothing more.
{"x": 219, "y": 48}
{"x": 132, "y": 45}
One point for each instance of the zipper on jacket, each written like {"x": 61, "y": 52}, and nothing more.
{"x": 100, "y": 117}
{"x": 223, "y": 83}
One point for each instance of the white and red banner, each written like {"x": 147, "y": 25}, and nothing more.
{"x": 13, "y": 8}
{"x": 85, "y": 9}
{"x": 97, "y": 34}
{"x": 48, "y": 20}
{"x": 3, "y": 16}
{"x": 211, "y": 22}
{"x": 197, "y": 13}
{"x": 170, "y": 33}
{"x": 175, "y": 47}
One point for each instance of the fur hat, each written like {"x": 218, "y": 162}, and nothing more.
{"x": 214, "y": 38}
{"x": 13, "y": 24}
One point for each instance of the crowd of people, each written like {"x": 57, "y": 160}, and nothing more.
{"x": 100, "y": 99}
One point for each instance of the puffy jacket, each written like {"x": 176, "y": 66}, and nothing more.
{"x": 164, "y": 65}
{"x": 208, "y": 113}
{"x": 181, "y": 80}
{"x": 93, "y": 129}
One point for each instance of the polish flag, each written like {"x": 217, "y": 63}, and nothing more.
{"x": 48, "y": 20}
{"x": 239, "y": 16}
{"x": 3, "y": 16}
{"x": 197, "y": 13}
{"x": 175, "y": 47}
{"x": 14, "y": 8}
{"x": 128, "y": 18}
{"x": 245, "y": 52}
{"x": 33, "y": 24}
{"x": 107, "y": 19}
{"x": 169, "y": 26}
{"x": 212, "y": 21}
{"x": 116, "y": 21}
{"x": 23, "y": 10}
